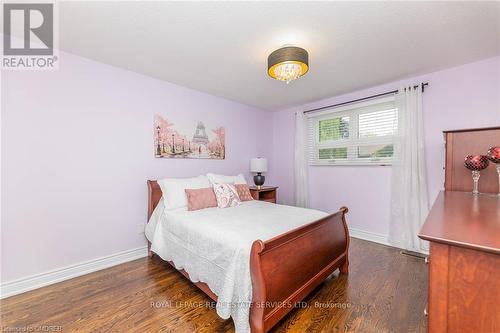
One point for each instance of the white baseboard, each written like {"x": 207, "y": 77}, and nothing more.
{"x": 376, "y": 238}
{"x": 369, "y": 236}
{"x": 28, "y": 283}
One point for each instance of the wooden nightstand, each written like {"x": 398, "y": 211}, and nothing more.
{"x": 266, "y": 193}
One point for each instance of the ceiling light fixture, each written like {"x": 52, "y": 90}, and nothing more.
{"x": 288, "y": 63}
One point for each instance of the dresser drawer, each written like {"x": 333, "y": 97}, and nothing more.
{"x": 463, "y": 290}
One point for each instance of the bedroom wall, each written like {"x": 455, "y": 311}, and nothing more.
{"x": 77, "y": 151}
{"x": 461, "y": 97}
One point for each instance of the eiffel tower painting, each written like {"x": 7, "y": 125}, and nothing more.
{"x": 181, "y": 138}
{"x": 200, "y": 136}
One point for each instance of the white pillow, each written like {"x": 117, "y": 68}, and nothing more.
{"x": 173, "y": 189}
{"x": 221, "y": 179}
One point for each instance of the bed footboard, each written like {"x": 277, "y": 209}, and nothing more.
{"x": 288, "y": 267}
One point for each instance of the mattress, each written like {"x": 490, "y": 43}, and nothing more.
{"x": 213, "y": 246}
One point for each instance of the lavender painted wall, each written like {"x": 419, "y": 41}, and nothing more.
{"x": 76, "y": 153}
{"x": 461, "y": 97}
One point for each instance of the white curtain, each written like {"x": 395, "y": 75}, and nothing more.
{"x": 301, "y": 174}
{"x": 409, "y": 201}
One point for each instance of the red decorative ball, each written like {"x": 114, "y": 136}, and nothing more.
{"x": 494, "y": 154}
{"x": 476, "y": 162}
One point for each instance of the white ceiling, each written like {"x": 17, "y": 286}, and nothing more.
{"x": 221, "y": 47}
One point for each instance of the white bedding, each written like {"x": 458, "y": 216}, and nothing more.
{"x": 213, "y": 246}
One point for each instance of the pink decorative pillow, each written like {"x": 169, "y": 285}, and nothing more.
{"x": 243, "y": 192}
{"x": 226, "y": 195}
{"x": 201, "y": 198}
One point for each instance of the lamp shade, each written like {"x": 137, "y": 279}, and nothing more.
{"x": 258, "y": 164}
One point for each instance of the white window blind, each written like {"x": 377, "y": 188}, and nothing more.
{"x": 357, "y": 134}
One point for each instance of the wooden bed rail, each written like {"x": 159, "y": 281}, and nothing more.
{"x": 288, "y": 267}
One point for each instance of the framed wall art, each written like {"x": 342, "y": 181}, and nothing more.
{"x": 188, "y": 139}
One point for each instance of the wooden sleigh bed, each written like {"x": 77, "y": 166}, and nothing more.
{"x": 286, "y": 268}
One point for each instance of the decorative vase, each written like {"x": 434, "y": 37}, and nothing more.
{"x": 259, "y": 180}
{"x": 494, "y": 156}
{"x": 476, "y": 163}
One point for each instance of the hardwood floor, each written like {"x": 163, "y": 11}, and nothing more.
{"x": 384, "y": 292}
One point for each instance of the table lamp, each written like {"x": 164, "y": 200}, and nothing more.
{"x": 258, "y": 165}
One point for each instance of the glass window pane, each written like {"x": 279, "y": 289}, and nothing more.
{"x": 332, "y": 153}
{"x": 376, "y": 151}
{"x": 334, "y": 129}
{"x": 379, "y": 123}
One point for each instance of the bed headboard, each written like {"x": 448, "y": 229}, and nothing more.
{"x": 154, "y": 196}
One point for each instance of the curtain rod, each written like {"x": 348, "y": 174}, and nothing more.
{"x": 423, "y": 85}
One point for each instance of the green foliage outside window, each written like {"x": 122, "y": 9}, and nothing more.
{"x": 387, "y": 151}
{"x": 332, "y": 153}
{"x": 375, "y": 151}
{"x": 333, "y": 129}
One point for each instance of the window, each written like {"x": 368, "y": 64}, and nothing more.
{"x": 357, "y": 134}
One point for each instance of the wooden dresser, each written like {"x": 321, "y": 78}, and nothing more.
{"x": 464, "y": 263}
{"x": 464, "y": 235}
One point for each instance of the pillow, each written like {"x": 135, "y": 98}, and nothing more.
{"x": 221, "y": 179}
{"x": 226, "y": 195}
{"x": 201, "y": 198}
{"x": 173, "y": 190}
{"x": 243, "y": 192}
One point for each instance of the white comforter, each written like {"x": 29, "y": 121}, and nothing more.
{"x": 213, "y": 246}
